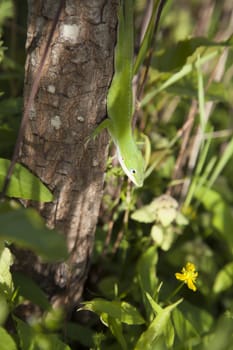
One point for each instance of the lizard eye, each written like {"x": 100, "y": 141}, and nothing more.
{"x": 133, "y": 171}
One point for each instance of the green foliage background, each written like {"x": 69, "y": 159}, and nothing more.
{"x": 182, "y": 214}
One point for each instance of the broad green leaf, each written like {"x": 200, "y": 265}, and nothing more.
{"x": 183, "y": 327}
{"x": 157, "y": 234}
{"x": 6, "y": 260}
{"x": 6, "y": 341}
{"x": 25, "y": 334}
{"x": 26, "y": 228}
{"x": 54, "y": 319}
{"x": 157, "y": 327}
{"x": 6, "y": 10}
{"x": 122, "y": 311}
{"x": 162, "y": 209}
{"x": 221, "y": 336}
{"x": 116, "y": 328}
{"x": 224, "y": 278}
{"x": 166, "y": 216}
{"x": 200, "y": 321}
{"x": 30, "y": 290}
{"x": 146, "y": 270}
{"x": 180, "y": 52}
{"x": 169, "y": 334}
{"x": 181, "y": 220}
{"x": 23, "y": 184}
{"x": 222, "y": 215}
{"x": 185, "y": 70}
{"x": 4, "y": 309}
{"x": 144, "y": 214}
{"x": 32, "y": 340}
{"x": 45, "y": 341}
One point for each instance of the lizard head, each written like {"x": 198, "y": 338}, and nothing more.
{"x": 132, "y": 163}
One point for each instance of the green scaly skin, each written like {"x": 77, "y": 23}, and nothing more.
{"x": 120, "y": 99}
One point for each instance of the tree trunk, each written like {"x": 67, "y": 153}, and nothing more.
{"x": 70, "y": 102}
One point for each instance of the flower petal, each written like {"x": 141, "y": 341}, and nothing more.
{"x": 191, "y": 285}
{"x": 180, "y": 276}
{"x": 188, "y": 275}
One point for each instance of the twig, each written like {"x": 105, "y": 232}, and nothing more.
{"x": 185, "y": 131}
{"x": 151, "y": 50}
{"x": 125, "y": 222}
{"x": 199, "y": 136}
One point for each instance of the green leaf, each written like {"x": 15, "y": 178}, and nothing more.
{"x": 26, "y": 228}
{"x": 169, "y": 334}
{"x": 30, "y": 290}
{"x": 122, "y": 311}
{"x": 49, "y": 342}
{"x": 4, "y": 309}
{"x": 157, "y": 234}
{"x": 180, "y": 52}
{"x": 54, "y": 319}
{"x": 144, "y": 214}
{"x": 223, "y": 160}
{"x": 23, "y": 184}
{"x": 6, "y": 260}
{"x": 162, "y": 209}
{"x": 32, "y": 340}
{"x": 224, "y": 278}
{"x": 6, "y": 11}
{"x": 183, "y": 327}
{"x": 146, "y": 270}
{"x": 221, "y": 336}
{"x": 147, "y": 274}
{"x": 222, "y": 218}
{"x": 116, "y": 328}
{"x": 7, "y": 343}
{"x": 199, "y": 321}
{"x": 173, "y": 78}
{"x": 26, "y": 335}
{"x": 166, "y": 216}
{"x": 157, "y": 327}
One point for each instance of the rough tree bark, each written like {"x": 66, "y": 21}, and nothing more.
{"x": 71, "y": 100}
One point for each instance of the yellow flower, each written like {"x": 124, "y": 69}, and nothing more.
{"x": 188, "y": 276}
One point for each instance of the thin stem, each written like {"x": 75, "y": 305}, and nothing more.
{"x": 175, "y": 292}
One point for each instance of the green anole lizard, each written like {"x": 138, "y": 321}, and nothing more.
{"x": 120, "y": 99}
{"x": 120, "y": 96}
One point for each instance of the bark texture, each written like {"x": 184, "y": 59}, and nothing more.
{"x": 70, "y": 102}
